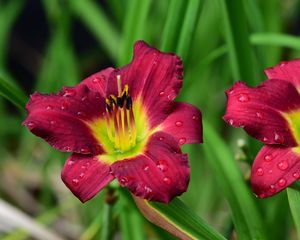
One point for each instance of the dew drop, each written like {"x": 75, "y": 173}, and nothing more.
{"x": 195, "y": 117}
{"x": 161, "y": 138}
{"x": 162, "y": 165}
{"x": 161, "y": 93}
{"x": 259, "y": 115}
{"x": 296, "y": 175}
{"x": 270, "y": 171}
{"x": 64, "y": 106}
{"x": 272, "y": 188}
{"x": 85, "y": 150}
{"x": 283, "y": 63}
{"x": 82, "y": 114}
{"x": 283, "y": 165}
{"x": 167, "y": 180}
{"x": 265, "y": 139}
{"x": 96, "y": 80}
{"x": 281, "y": 182}
{"x": 52, "y": 122}
{"x": 69, "y": 92}
{"x": 146, "y": 168}
{"x": 30, "y": 124}
{"x": 83, "y": 99}
{"x": 182, "y": 141}
{"x": 49, "y": 107}
{"x": 231, "y": 122}
{"x": 70, "y": 163}
{"x": 178, "y": 124}
{"x": 278, "y": 138}
{"x": 81, "y": 175}
{"x": 148, "y": 190}
{"x": 243, "y": 98}
{"x": 259, "y": 172}
{"x": 83, "y": 167}
{"x": 262, "y": 195}
{"x": 68, "y": 149}
{"x": 268, "y": 157}
{"x": 124, "y": 180}
{"x": 75, "y": 181}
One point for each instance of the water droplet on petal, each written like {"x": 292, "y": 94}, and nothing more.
{"x": 262, "y": 195}
{"x": 85, "y": 150}
{"x": 49, "y": 107}
{"x": 81, "y": 114}
{"x": 68, "y": 149}
{"x": 243, "y": 97}
{"x": 64, "y": 106}
{"x": 69, "y": 92}
{"x": 283, "y": 63}
{"x": 278, "y": 138}
{"x": 265, "y": 139}
{"x": 272, "y": 188}
{"x": 167, "y": 180}
{"x": 124, "y": 181}
{"x": 268, "y": 157}
{"x": 283, "y": 165}
{"x": 162, "y": 165}
{"x": 231, "y": 122}
{"x": 270, "y": 171}
{"x": 75, "y": 181}
{"x": 182, "y": 141}
{"x": 178, "y": 123}
{"x": 96, "y": 80}
{"x": 259, "y": 172}
{"x": 30, "y": 125}
{"x": 81, "y": 175}
{"x": 161, "y": 93}
{"x": 259, "y": 115}
{"x": 195, "y": 117}
{"x": 52, "y": 122}
{"x": 148, "y": 190}
{"x": 161, "y": 138}
{"x": 83, "y": 167}
{"x": 70, "y": 163}
{"x": 296, "y": 175}
{"x": 146, "y": 168}
{"x": 83, "y": 99}
{"x": 281, "y": 182}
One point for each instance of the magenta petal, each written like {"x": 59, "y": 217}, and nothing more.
{"x": 85, "y": 175}
{"x": 259, "y": 110}
{"x": 274, "y": 169}
{"x": 61, "y": 119}
{"x": 289, "y": 71}
{"x": 98, "y": 81}
{"x": 184, "y": 123}
{"x": 160, "y": 174}
{"x": 154, "y": 76}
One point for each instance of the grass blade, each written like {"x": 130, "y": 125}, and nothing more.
{"x": 246, "y": 217}
{"x": 294, "y": 199}
{"x": 178, "y": 219}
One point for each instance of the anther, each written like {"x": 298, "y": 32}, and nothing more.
{"x": 128, "y": 103}
{"x": 120, "y": 102}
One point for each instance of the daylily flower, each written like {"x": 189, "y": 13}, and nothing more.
{"x": 122, "y": 123}
{"x": 271, "y": 114}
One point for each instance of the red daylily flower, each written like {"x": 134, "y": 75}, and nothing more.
{"x": 270, "y": 113}
{"x": 124, "y": 124}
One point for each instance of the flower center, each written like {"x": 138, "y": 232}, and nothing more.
{"x": 120, "y": 123}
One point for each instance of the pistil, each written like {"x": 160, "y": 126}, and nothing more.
{"x": 120, "y": 119}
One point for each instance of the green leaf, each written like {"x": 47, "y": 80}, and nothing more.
{"x": 12, "y": 94}
{"x": 246, "y": 218}
{"x": 294, "y": 200}
{"x": 188, "y": 28}
{"x": 237, "y": 38}
{"x": 134, "y": 27}
{"x": 177, "y": 219}
{"x": 95, "y": 19}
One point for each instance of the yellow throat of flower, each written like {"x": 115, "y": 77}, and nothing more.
{"x": 120, "y": 123}
{"x": 124, "y": 129}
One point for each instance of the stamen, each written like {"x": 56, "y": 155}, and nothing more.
{"x": 120, "y": 119}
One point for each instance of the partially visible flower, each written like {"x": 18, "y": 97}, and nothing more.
{"x": 271, "y": 114}
{"x": 124, "y": 124}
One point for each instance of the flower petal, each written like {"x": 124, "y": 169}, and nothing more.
{"x": 289, "y": 71}
{"x": 85, "y": 175}
{"x": 98, "y": 81}
{"x": 152, "y": 76}
{"x": 260, "y": 110}
{"x": 274, "y": 169}
{"x": 159, "y": 174}
{"x": 184, "y": 123}
{"x": 61, "y": 119}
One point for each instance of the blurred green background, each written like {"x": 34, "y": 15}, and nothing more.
{"x": 47, "y": 44}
